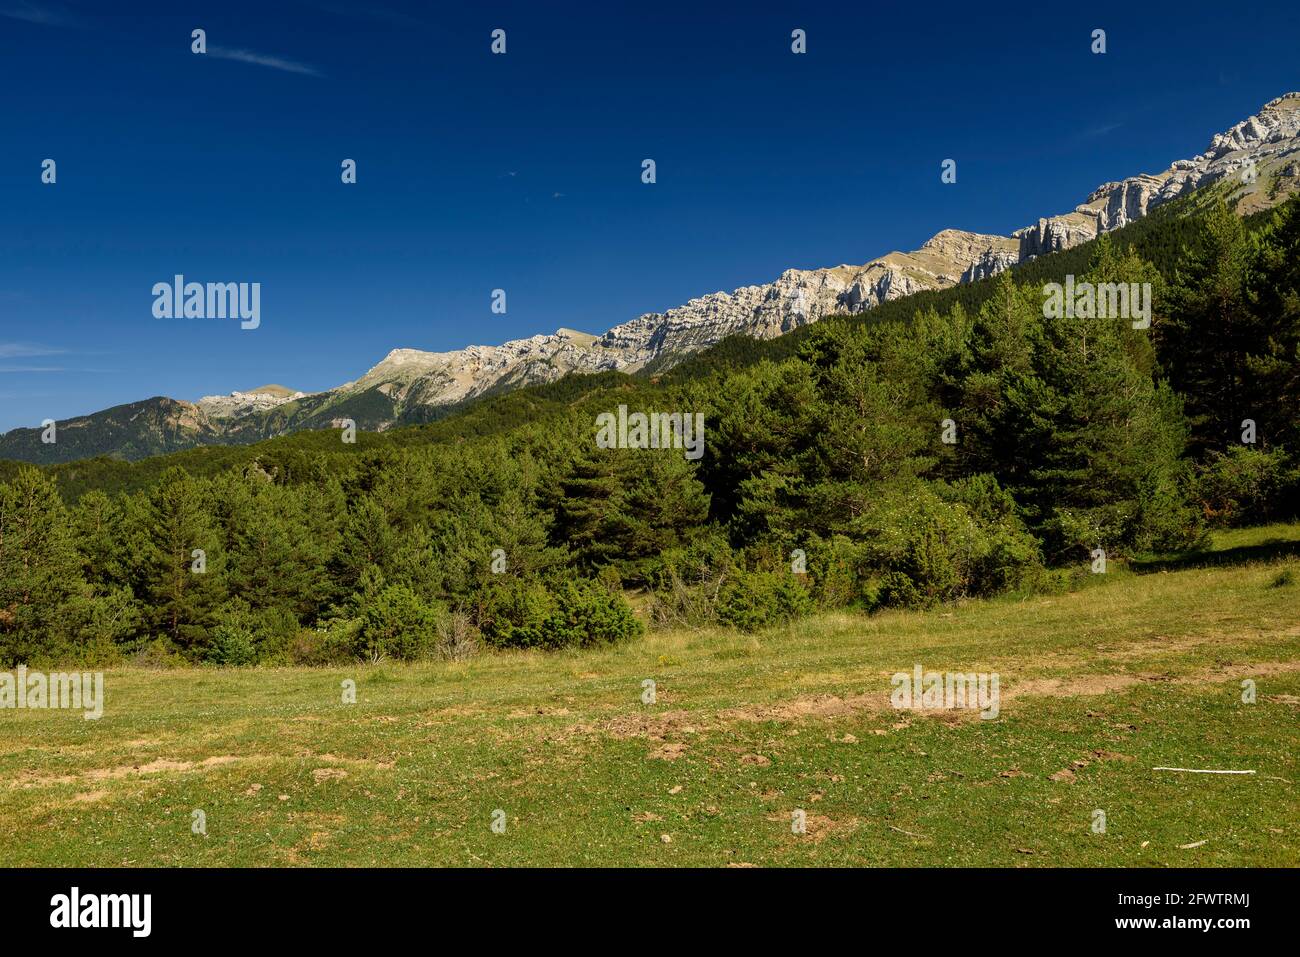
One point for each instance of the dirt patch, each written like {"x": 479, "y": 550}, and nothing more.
{"x": 819, "y": 706}
{"x": 161, "y": 766}
{"x": 539, "y": 712}
{"x": 1070, "y": 687}
{"x": 1068, "y": 775}
{"x": 668, "y": 752}
{"x": 328, "y": 774}
{"x": 653, "y": 725}
{"x": 816, "y": 827}
{"x": 1084, "y": 685}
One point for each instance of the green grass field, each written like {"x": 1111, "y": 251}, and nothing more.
{"x": 1140, "y": 668}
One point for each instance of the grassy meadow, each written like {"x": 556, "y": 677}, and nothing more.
{"x": 1137, "y": 669}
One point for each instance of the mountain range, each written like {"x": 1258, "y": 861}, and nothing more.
{"x": 1259, "y": 158}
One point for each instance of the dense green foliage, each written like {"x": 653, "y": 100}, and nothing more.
{"x": 947, "y": 446}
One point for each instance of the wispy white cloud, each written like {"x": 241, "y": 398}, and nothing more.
{"x": 264, "y": 59}
{"x": 26, "y": 350}
{"x": 45, "y": 14}
{"x": 1102, "y": 129}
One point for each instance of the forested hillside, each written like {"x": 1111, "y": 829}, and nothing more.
{"x": 950, "y": 445}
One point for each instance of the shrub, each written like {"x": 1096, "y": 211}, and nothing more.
{"x": 587, "y": 615}
{"x": 1165, "y": 517}
{"x": 232, "y": 644}
{"x": 572, "y": 614}
{"x": 932, "y": 544}
{"x": 757, "y": 599}
{"x": 1245, "y": 485}
{"x": 513, "y": 614}
{"x": 1008, "y": 554}
{"x": 233, "y": 640}
{"x": 685, "y": 582}
{"x": 458, "y": 639}
{"x": 334, "y": 643}
{"x": 398, "y": 623}
{"x": 835, "y": 566}
{"x": 242, "y": 636}
{"x": 609, "y": 578}
{"x": 159, "y": 653}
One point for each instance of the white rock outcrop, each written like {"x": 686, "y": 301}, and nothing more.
{"x": 238, "y": 404}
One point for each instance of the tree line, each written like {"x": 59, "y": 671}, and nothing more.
{"x": 951, "y": 449}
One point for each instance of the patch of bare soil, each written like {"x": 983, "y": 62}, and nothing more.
{"x": 161, "y": 766}
{"x": 1083, "y": 685}
{"x": 668, "y": 752}
{"x": 1068, "y": 775}
{"x": 819, "y": 706}
{"x": 535, "y": 712}
{"x": 817, "y": 827}
{"x": 655, "y": 725}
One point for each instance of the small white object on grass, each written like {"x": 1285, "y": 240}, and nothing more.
{"x": 1202, "y": 771}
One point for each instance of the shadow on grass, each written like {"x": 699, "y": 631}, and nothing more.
{"x": 1271, "y": 550}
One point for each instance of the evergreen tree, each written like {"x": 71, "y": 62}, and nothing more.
{"x": 183, "y": 562}
{"x": 1213, "y": 332}
{"x": 41, "y": 581}
{"x": 1274, "y": 366}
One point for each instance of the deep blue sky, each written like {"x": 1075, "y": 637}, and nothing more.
{"x": 523, "y": 171}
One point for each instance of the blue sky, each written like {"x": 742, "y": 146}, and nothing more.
{"x": 522, "y": 171}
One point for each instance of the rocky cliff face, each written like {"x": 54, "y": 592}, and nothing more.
{"x": 1260, "y": 156}
{"x": 801, "y": 296}
{"x": 238, "y": 404}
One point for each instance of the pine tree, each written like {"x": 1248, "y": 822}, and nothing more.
{"x": 40, "y": 570}
{"x": 1274, "y": 369}
{"x": 1213, "y": 331}
{"x": 183, "y": 562}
